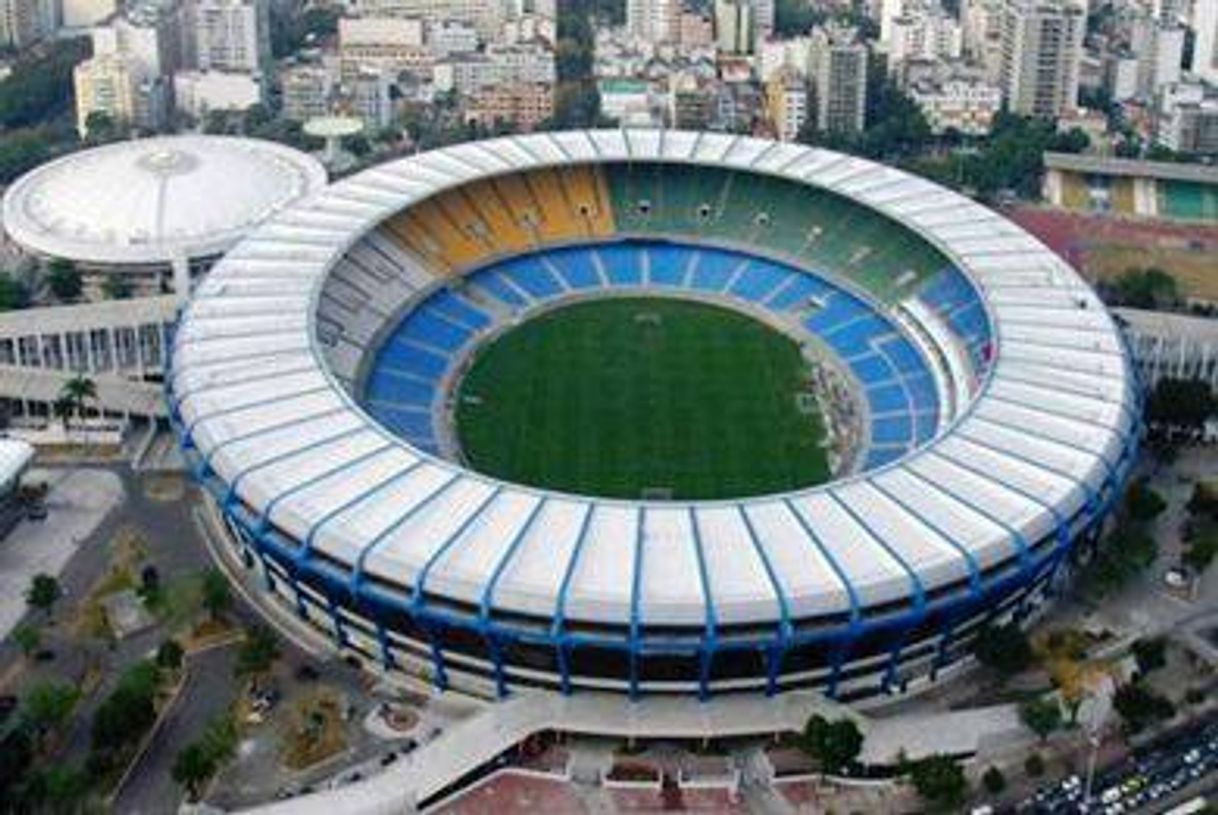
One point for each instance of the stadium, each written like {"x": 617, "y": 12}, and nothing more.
{"x": 458, "y": 411}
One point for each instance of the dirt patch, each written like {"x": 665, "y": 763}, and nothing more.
{"x": 127, "y": 551}
{"x": 1192, "y": 270}
{"x": 164, "y": 487}
{"x": 315, "y": 730}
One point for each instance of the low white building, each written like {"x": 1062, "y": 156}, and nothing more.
{"x": 196, "y": 93}
{"x": 966, "y": 105}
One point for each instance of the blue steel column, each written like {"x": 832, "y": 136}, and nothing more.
{"x": 558, "y": 632}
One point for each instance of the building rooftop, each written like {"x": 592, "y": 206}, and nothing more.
{"x": 1100, "y": 165}
{"x": 147, "y": 201}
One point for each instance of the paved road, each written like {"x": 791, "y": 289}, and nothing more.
{"x": 209, "y": 689}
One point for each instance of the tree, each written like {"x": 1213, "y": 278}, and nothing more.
{"x": 1150, "y": 654}
{"x": 39, "y": 86}
{"x": 258, "y": 652}
{"x": 834, "y": 744}
{"x": 1148, "y": 288}
{"x": 47, "y": 705}
{"x": 1142, "y": 503}
{"x": 170, "y": 655}
{"x": 43, "y": 592}
{"x": 13, "y": 295}
{"x": 127, "y": 713}
{"x": 28, "y": 638}
{"x": 940, "y": 781}
{"x": 216, "y": 597}
{"x": 1180, "y": 405}
{"x": 1202, "y": 548}
{"x": 1034, "y": 766}
{"x": 1004, "y": 648}
{"x": 78, "y": 392}
{"x": 1041, "y": 716}
{"x": 64, "y": 279}
{"x": 116, "y": 287}
{"x": 1139, "y": 706}
{"x": 192, "y": 767}
{"x": 64, "y": 787}
{"x": 994, "y": 781}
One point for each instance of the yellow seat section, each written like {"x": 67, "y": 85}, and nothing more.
{"x": 559, "y": 220}
{"x": 468, "y": 221}
{"x": 405, "y": 229}
{"x": 585, "y": 192}
{"x": 507, "y": 231}
{"x": 442, "y": 238}
{"x": 518, "y": 198}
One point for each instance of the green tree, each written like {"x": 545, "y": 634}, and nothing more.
{"x": 994, "y": 781}
{"x": 1139, "y": 706}
{"x": 1202, "y": 548}
{"x": 47, "y": 705}
{"x": 125, "y": 715}
{"x": 1034, "y": 766}
{"x": 79, "y": 391}
{"x": 116, "y": 287}
{"x": 940, "y": 781}
{"x": 1150, "y": 654}
{"x": 834, "y": 744}
{"x": 216, "y": 597}
{"x": 192, "y": 767}
{"x": 64, "y": 279}
{"x": 1041, "y": 716}
{"x": 13, "y": 295}
{"x": 1181, "y": 404}
{"x": 1143, "y": 503}
{"x": 43, "y": 592}
{"x": 1149, "y": 288}
{"x": 39, "y": 86}
{"x": 28, "y": 638}
{"x": 64, "y": 787}
{"x": 258, "y": 652}
{"x": 1004, "y": 648}
{"x": 170, "y": 655}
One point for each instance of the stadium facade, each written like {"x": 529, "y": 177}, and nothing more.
{"x": 313, "y": 371}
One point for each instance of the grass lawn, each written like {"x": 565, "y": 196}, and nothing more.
{"x": 623, "y": 397}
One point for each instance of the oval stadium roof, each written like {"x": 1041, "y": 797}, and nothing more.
{"x": 1050, "y": 424}
{"x": 147, "y": 201}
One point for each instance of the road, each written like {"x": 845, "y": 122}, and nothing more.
{"x": 208, "y": 690}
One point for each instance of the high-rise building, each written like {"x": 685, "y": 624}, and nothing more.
{"x": 787, "y": 103}
{"x": 839, "y": 78}
{"x": 764, "y": 17}
{"x": 19, "y": 23}
{"x": 654, "y": 20}
{"x": 231, "y": 35}
{"x": 1042, "y": 47}
{"x": 129, "y": 75}
{"x": 734, "y": 26}
{"x": 1205, "y": 52}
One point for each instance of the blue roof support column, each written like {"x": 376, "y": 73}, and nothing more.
{"x": 558, "y": 627}
{"x": 782, "y": 638}
{"x": 706, "y": 653}
{"x": 636, "y": 582}
{"x": 488, "y": 594}
{"x": 382, "y": 641}
{"x": 336, "y": 620}
{"x": 496, "y": 654}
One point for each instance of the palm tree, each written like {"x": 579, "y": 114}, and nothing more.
{"x": 76, "y": 392}
{"x": 62, "y": 409}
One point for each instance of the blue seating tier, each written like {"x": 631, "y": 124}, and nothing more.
{"x": 403, "y": 383}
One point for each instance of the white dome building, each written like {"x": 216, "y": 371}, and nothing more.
{"x": 145, "y": 207}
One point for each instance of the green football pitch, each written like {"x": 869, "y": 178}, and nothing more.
{"x": 641, "y": 397}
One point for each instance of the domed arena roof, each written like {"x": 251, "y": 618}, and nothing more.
{"x": 149, "y": 200}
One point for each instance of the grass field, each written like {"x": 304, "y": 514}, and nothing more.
{"x": 632, "y": 397}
